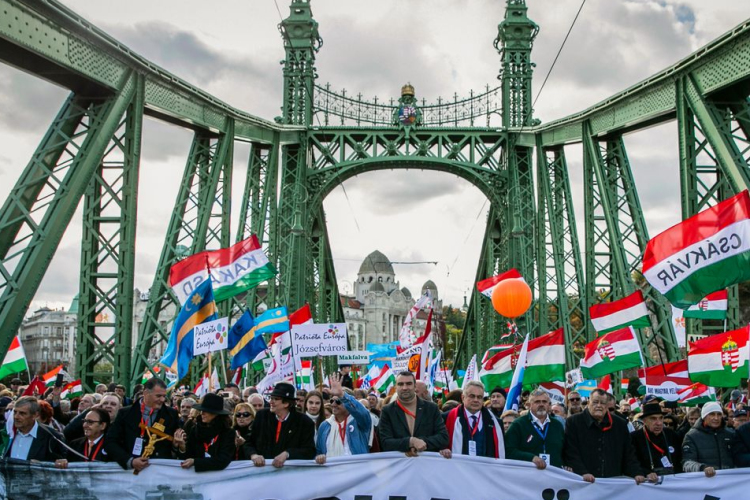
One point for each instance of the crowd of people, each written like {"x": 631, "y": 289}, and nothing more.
{"x": 593, "y": 437}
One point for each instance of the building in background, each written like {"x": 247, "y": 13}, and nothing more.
{"x": 49, "y": 337}
{"x": 378, "y": 306}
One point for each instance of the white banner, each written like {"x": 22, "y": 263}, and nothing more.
{"x": 382, "y": 476}
{"x": 403, "y": 361}
{"x": 325, "y": 339}
{"x": 354, "y": 358}
{"x": 210, "y": 336}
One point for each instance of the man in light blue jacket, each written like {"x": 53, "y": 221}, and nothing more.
{"x": 347, "y": 431}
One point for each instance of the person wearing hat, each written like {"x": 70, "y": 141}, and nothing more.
{"x": 707, "y": 445}
{"x": 210, "y": 443}
{"x": 657, "y": 448}
{"x": 497, "y": 401}
{"x": 280, "y": 433}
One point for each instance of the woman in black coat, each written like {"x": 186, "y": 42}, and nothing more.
{"x": 209, "y": 445}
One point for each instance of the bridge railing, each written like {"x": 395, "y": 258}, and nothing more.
{"x": 339, "y": 109}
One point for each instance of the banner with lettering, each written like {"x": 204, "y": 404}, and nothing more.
{"x": 382, "y": 476}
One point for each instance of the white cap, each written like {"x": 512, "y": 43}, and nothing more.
{"x": 711, "y": 407}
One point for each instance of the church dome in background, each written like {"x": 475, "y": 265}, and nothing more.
{"x": 377, "y": 287}
{"x": 432, "y": 287}
{"x": 376, "y": 262}
{"x": 406, "y": 292}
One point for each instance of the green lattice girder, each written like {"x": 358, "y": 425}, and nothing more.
{"x": 57, "y": 177}
{"x": 105, "y": 304}
{"x": 50, "y": 40}
{"x": 188, "y": 229}
{"x": 562, "y": 297}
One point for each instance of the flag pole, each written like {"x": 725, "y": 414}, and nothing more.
{"x": 224, "y": 365}
{"x": 210, "y": 374}
{"x": 445, "y": 375}
{"x": 319, "y": 362}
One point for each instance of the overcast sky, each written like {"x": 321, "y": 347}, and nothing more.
{"x": 442, "y": 47}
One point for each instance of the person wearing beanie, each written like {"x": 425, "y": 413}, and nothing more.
{"x": 497, "y": 401}
{"x": 707, "y": 445}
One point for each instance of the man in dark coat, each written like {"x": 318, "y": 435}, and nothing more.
{"x": 597, "y": 443}
{"x": 741, "y": 446}
{"x": 410, "y": 424}
{"x": 537, "y": 436}
{"x": 127, "y": 438}
{"x": 706, "y": 445}
{"x": 472, "y": 429}
{"x": 32, "y": 440}
{"x": 657, "y": 448}
{"x": 280, "y": 432}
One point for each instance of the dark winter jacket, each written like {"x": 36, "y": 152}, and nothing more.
{"x": 210, "y": 445}
{"x": 650, "y": 452}
{"x": 705, "y": 447}
{"x": 741, "y": 446}
{"x": 296, "y": 436}
{"x": 600, "y": 449}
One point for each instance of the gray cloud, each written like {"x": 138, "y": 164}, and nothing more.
{"x": 28, "y": 103}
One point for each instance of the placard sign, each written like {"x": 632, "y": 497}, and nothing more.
{"x": 402, "y": 362}
{"x": 354, "y": 358}
{"x": 210, "y": 336}
{"x": 324, "y": 339}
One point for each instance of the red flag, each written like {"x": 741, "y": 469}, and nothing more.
{"x": 35, "y": 385}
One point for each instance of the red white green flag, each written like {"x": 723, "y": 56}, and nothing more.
{"x": 545, "y": 362}
{"x": 49, "y": 377}
{"x": 606, "y": 384}
{"x": 494, "y": 350}
{"x": 624, "y": 383}
{"x": 666, "y": 381}
{"x": 612, "y": 352}
{"x": 233, "y": 270}
{"x": 72, "y": 390}
{"x": 15, "y": 359}
{"x": 713, "y": 306}
{"x": 705, "y": 253}
{"x": 486, "y": 287}
{"x": 383, "y": 382}
{"x": 696, "y": 394}
{"x": 629, "y": 311}
{"x": 720, "y": 360}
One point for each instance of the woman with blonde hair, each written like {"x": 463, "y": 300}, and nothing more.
{"x": 243, "y": 416}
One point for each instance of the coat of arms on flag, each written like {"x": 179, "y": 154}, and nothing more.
{"x": 730, "y": 355}
{"x": 605, "y": 350}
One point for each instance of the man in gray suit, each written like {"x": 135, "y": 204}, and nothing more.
{"x": 410, "y": 424}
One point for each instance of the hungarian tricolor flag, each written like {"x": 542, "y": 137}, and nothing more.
{"x": 545, "y": 362}
{"x": 486, "y": 287}
{"x": 612, "y": 352}
{"x": 494, "y": 350}
{"x": 666, "y": 381}
{"x": 606, "y": 384}
{"x": 720, "y": 360}
{"x": 72, "y": 390}
{"x": 696, "y": 394}
{"x": 385, "y": 380}
{"x": 705, "y": 253}
{"x": 15, "y": 359}
{"x": 713, "y": 306}
{"x": 233, "y": 270}
{"x": 50, "y": 377}
{"x": 611, "y": 316}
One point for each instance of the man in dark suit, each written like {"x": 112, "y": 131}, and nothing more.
{"x": 32, "y": 440}
{"x": 280, "y": 432}
{"x": 410, "y": 424}
{"x": 127, "y": 438}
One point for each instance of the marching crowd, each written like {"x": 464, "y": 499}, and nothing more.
{"x": 594, "y": 437}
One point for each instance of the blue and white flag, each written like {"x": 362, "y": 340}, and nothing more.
{"x": 516, "y": 385}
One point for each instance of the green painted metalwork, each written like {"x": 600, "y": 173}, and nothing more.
{"x": 57, "y": 182}
{"x": 105, "y": 304}
{"x": 562, "y": 298}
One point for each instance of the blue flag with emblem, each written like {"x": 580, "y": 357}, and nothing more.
{"x": 198, "y": 308}
{"x": 244, "y": 344}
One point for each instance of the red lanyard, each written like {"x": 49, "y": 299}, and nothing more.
{"x": 342, "y": 431}
{"x": 278, "y": 429}
{"x": 207, "y": 446}
{"x": 474, "y": 429}
{"x": 145, "y": 423}
{"x": 406, "y": 410}
{"x": 660, "y": 450}
{"x": 605, "y": 429}
{"x": 92, "y": 457}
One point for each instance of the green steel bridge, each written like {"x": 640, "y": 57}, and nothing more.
{"x": 92, "y": 147}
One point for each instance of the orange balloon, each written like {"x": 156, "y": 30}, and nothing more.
{"x": 511, "y": 297}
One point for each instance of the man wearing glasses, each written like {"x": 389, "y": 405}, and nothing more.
{"x": 473, "y": 429}
{"x": 597, "y": 443}
{"x": 89, "y": 448}
{"x": 573, "y": 403}
{"x": 280, "y": 433}
{"x": 410, "y": 424}
{"x": 347, "y": 431}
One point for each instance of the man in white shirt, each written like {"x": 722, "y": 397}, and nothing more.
{"x": 473, "y": 429}
{"x": 32, "y": 440}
